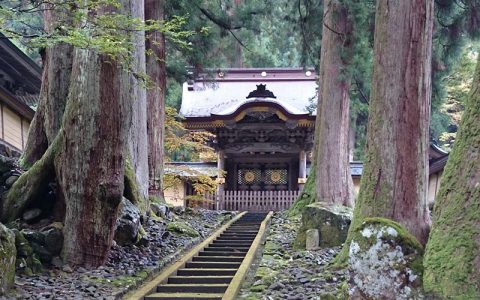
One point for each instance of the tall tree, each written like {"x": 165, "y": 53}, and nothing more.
{"x": 333, "y": 180}
{"x": 452, "y": 256}
{"x": 96, "y": 139}
{"x": 395, "y": 176}
{"x": 156, "y": 70}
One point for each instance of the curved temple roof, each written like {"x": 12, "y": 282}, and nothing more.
{"x": 295, "y": 90}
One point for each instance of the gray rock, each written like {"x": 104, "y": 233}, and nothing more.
{"x": 128, "y": 223}
{"x": 33, "y": 236}
{"x": 53, "y": 240}
{"x": 31, "y": 215}
{"x": 8, "y": 254}
{"x": 384, "y": 260}
{"x": 277, "y": 286}
{"x": 6, "y": 164}
{"x": 312, "y": 239}
{"x": 332, "y": 222}
{"x": 67, "y": 269}
{"x": 43, "y": 254}
{"x": 11, "y": 180}
{"x": 160, "y": 210}
{"x": 57, "y": 262}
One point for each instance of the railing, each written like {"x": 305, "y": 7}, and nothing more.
{"x": 254, "y": 201}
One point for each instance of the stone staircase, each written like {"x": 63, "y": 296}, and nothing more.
{"x": 208, "y": 274}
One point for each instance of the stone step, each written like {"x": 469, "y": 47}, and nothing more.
{"x": 228, "y": 249}
{"x": 231, "y": 243}
{"x": 184, "y": 296}
{"x": 193, "y": 288}
{"x": 206, "y": 272}
{"x": 218, "y": 258}
{"x": 199, "y": 279}
{"x": 212, "y": 265}
{"x": 222, "y": 253}
{"x": 238, "y": 235}
{"x": 235, "y": 239}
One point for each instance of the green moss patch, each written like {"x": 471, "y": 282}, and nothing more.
{"x": 182, "y": 228}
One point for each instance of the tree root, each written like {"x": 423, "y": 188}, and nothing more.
{"x": 30, "y": 185}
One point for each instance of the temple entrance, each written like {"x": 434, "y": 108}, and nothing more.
{"x": 259, "y": 172}
{"x": 263, "y": 177}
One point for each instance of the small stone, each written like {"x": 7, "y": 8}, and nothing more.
{"x": 312, "y": 239}
{"x": 67, "y": 269}
{"x": 277, "y": 286}
{"x": 11, "y": 180}
{"x": 303, "y": 280}
{"x": 57, "y": 262}
{"x": 31, "y": 215}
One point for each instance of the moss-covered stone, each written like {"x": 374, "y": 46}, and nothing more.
{"x": 8, "y": 254}
{"x": 182, "y": 228}
{"x": 27, "y": 261}
{"x": 384, "y": 260}
{"x": 332, "y": 222}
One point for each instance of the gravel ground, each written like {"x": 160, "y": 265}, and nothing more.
{"x": 126, "y": 267}
{"x": 287, "y": 273}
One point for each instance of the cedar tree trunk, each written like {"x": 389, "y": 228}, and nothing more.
{"x": 395, "y": 176}
{"x": 155, "y": 44}
{"x": 138, "y": 140}
{"x": 57, "y": 66}
{"x": 98, "y": 142}
{"x": 90, "y": 158}
{"x": 333, "y": 180}
{"x": 452, "y": 255}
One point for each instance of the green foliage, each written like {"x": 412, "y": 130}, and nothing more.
{"x": 94, "y": 24}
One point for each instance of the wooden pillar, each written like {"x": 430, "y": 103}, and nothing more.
{"x": 220, "y": 174}
{"x": 302, "y": 169}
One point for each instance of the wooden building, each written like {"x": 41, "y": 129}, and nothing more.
{"x": 20, "y": 81}
{"x": 264, "y": 125}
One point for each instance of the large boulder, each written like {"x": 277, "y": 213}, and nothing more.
{"x": 385, "y": 262}
{"x": 128, "y": 223}
{"x": 331, "y": 221}
{"x": 8, "y": 254}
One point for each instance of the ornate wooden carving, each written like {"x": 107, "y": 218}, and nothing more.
{"x": 261, "y": 92}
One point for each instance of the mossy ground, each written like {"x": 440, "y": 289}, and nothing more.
{"x": 299, "y": 271}
{"x": 182, "y": 228}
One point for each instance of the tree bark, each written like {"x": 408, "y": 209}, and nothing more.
{"x": 138, "y": 139}
{"x": 334, "y": 183}
{"x": 156, "y": 70}
{"x": 452, "y": 255}
{"x": 395, "y": 176}
{"x": 57, "y": 66}
{"x": 90, "y": 162}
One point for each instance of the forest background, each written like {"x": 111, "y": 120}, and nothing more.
{"x": 281, "y": 33}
